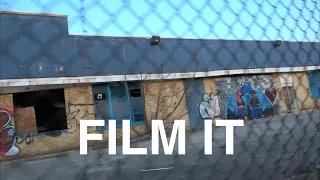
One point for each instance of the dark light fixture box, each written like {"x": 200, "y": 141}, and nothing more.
{"x": 155, "y": 40}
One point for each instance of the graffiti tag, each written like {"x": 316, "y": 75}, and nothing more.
{"x": 28, "y": 140}
{"x": 7, "y": 133}
{"x": 73, "y": 116}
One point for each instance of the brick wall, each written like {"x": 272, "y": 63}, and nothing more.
{"x": 79, "y": 105}
{"x": 163, "y": 100}
{"x": 43, "y": 145}
{"x": 166, "y": 100}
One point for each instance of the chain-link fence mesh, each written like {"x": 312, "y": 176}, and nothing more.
{"x": 222, "y": 39}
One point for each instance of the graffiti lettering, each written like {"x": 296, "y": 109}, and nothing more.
{"x": 74, "y": 116}
{"x": 28, "y": 140}
{"x": 7, "y": 133}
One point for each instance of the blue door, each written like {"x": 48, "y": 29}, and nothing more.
{"x": 194, "y": 91}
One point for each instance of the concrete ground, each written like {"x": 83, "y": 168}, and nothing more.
{"x": 282, "y": 147}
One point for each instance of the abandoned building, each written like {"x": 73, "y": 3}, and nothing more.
{"x": 50, "y": 80}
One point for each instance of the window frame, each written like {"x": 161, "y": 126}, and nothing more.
{"x": 288, "y": 99}
{"x": 130, "y": 109}
{"x": 40, "y": 133}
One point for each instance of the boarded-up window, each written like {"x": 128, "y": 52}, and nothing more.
{"x": 25, "y": 121}
{"x": 40, "y": 111}
{"x": 286, "y": 80}
{"x": 289, "y": 92}
{"x": 290, "y": 98}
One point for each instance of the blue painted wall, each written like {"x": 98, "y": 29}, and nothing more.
{"x": 39, "y": 46}
{"x": 314, "y": 83}
{"x": 121, "y": 102}
{"x": 194, "y": 90}
{"x": 102, "y": 107}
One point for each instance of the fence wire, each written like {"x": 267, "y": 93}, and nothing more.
{"x": 209, "y": 36}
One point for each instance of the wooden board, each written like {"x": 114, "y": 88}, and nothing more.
{"x": 25, "y": 121}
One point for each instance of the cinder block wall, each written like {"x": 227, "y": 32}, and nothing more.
{"x": 79, "y": 105}
{"x": 43, "y": 145}
{"x": 165, "y": 100}
{"x": 6, "y": 99}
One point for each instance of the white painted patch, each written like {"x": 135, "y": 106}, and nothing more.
{"x": 13, "y": 151}
{"x": 140, "y": 77}
{"x": 157, "y": 169}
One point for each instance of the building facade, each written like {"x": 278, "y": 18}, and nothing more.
{"x": 50, "y": 80}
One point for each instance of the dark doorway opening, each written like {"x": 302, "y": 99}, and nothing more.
{"x": 49, "y": 109}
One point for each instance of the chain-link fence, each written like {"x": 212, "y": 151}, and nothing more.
{"x": 253, "y": 60}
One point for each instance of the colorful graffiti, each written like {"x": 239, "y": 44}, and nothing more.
{"x": 271, "y": 94}
{"x": 248, "y": 103}
{"x": 7, "y": 133}
{"x": 209, "y": 107}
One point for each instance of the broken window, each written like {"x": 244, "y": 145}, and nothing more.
{"x": 124, "y": 101}
{"x": 136, "y": 101}
{"x": 40, "y": 111}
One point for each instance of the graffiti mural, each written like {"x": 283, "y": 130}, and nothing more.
{"x": 248, "y": 103}
{"x": 247, "y": 98}
{"x": 7, "y": 133}
{"x": 209, "y": 107}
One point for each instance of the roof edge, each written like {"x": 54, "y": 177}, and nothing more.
{"x": 148, "y": 77}
{"x": 179, "y": 38}
{"x": 32, "y": 13}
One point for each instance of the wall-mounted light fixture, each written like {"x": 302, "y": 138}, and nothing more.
{"x": 276, "y": 43}
{"x": 100, "y": 96}
{"x": 155, "y": 40}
